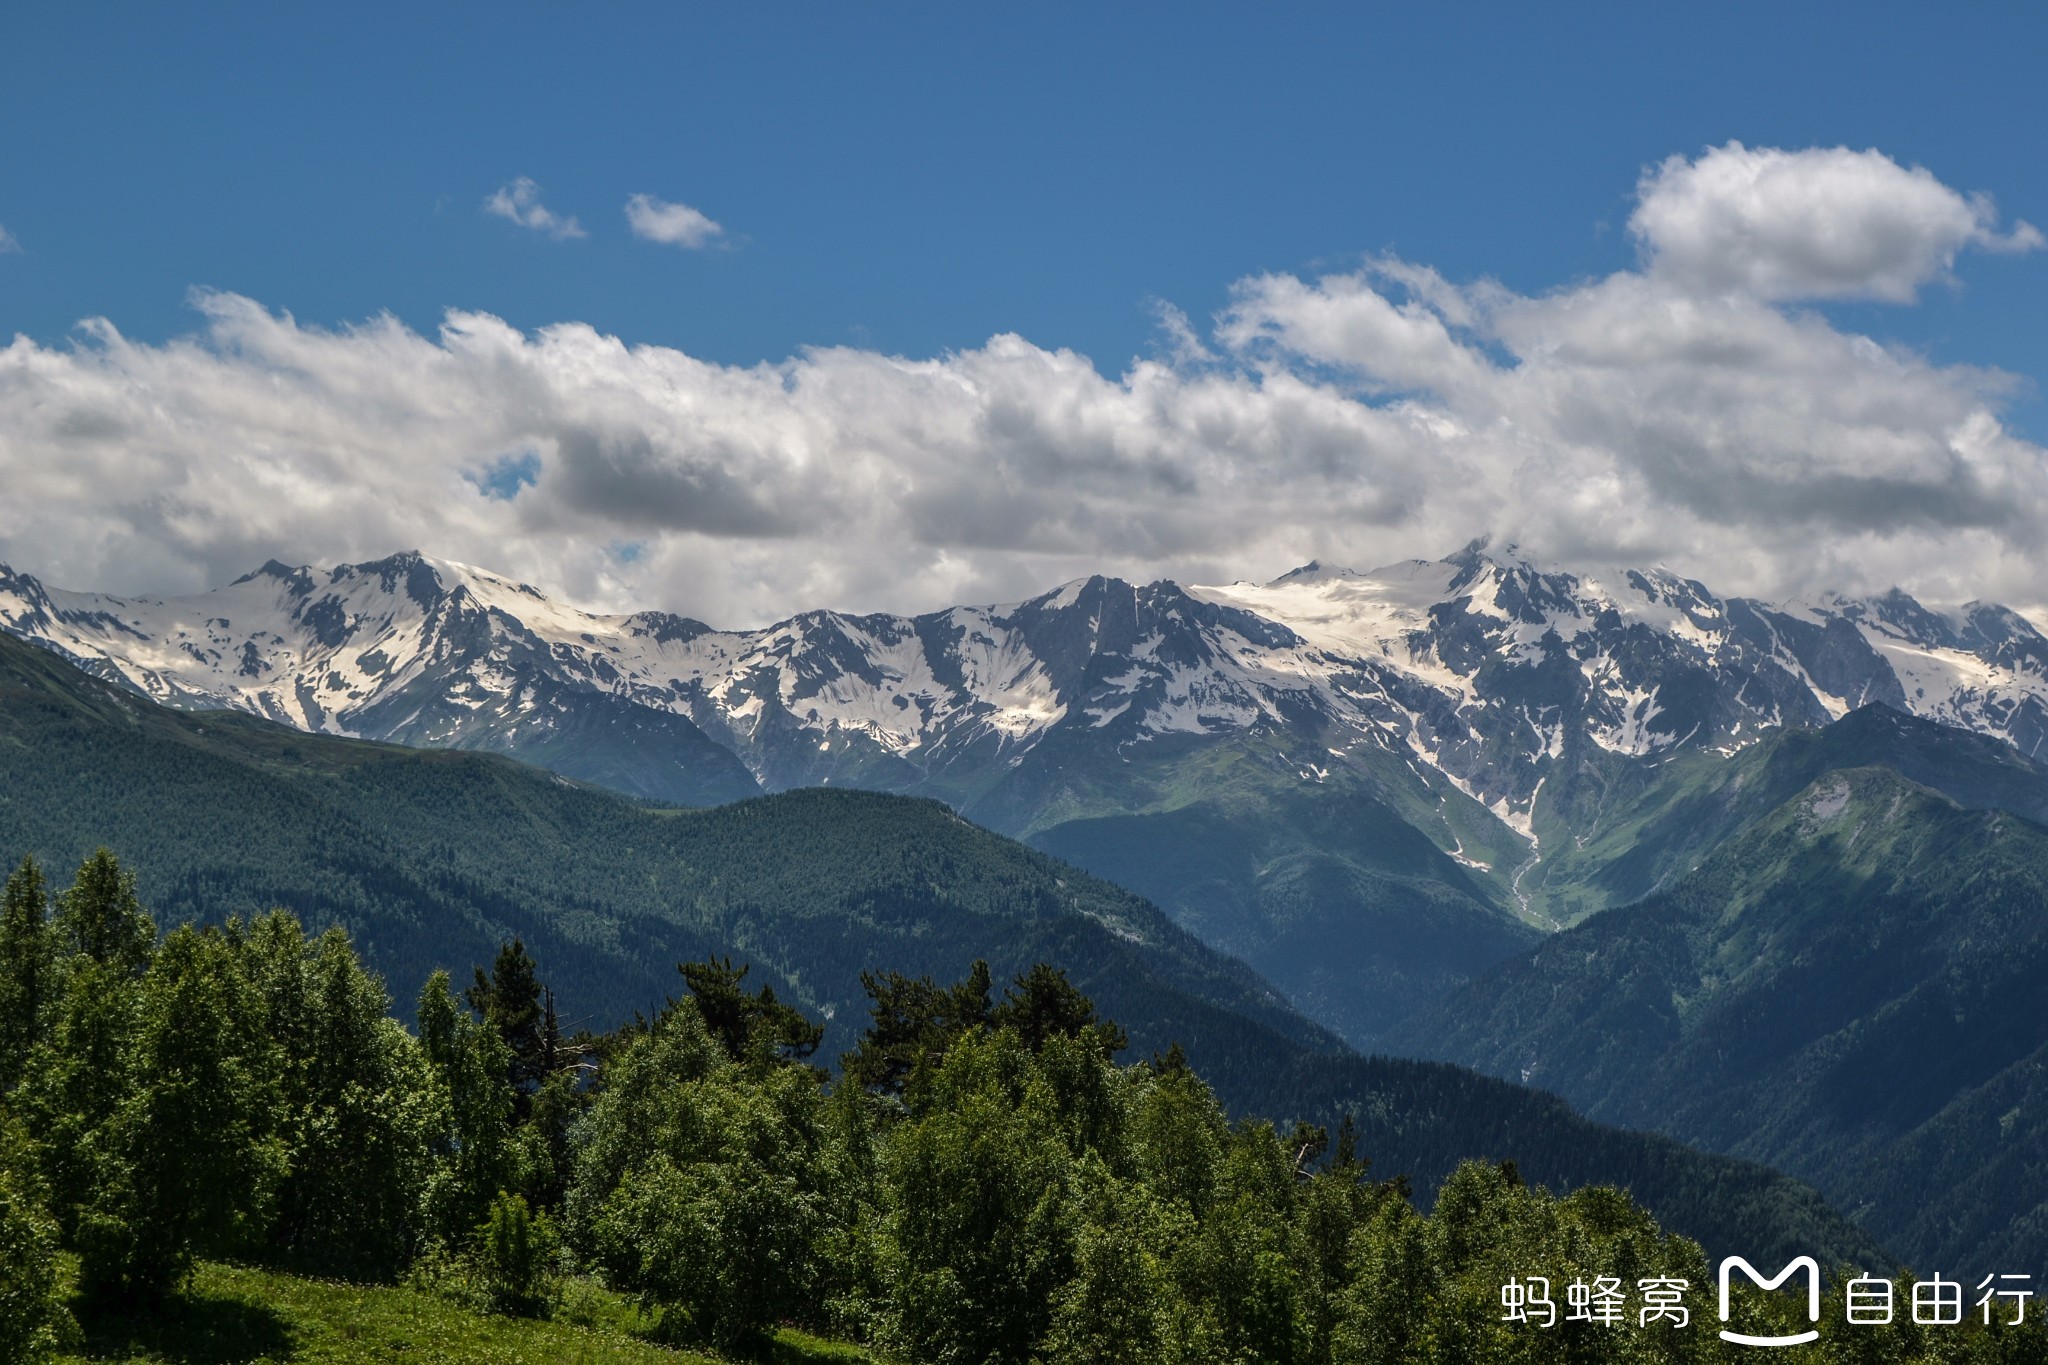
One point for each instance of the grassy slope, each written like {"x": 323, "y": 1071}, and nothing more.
{"x": 256, "y": 1317}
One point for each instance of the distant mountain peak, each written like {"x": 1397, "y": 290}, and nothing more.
{"x": 1315, "y": 571}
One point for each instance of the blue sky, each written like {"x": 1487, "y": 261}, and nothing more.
{"x": 919, "y": 178}
{"x": 911, "y": 181}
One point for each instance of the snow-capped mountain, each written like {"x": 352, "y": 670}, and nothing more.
{"x": 1479, "y": 666}
{"x": 1338, "y": 776}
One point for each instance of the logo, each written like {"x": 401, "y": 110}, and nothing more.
{"x": 1806, "y": 1263}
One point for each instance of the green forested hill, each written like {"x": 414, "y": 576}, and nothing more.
{"x": 431, "y": 858}
{"x": 1854, "y": 988}
{"x": 1614, "y": 828}
{"x": 1334, "y": 888}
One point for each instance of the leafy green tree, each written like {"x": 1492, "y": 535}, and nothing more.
{"x": 981, "y": 1229}
{"x": 194, "y": 1159}
{"x": 31, "y": 1311}
{"x": 1332, "y": 1206}
{"x": 516, "y": 1251}
{"x": 84, "y": 1066}
{"x": 1238, "y": 1268}
{"x": 544, "y": 1156}
{"x": 1380, "y": 1319}
{"x": 1122, "y": 1305}
{"x": 853, "y": 1236}
{"x": 635, "y": 1101}
{"x": 360, "y": 1111}
{"x": 705, "y": 1196}
{"x": 28, "y": 968}
{"x": 1178, "y": 1134}
{"x": 474, "y": 1156}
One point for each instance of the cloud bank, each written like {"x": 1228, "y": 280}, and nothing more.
{"x": 1683, "y": 412}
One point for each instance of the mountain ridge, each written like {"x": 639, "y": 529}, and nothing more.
{"x": 387, "y": 646}
{"x": 1477, "y": 699}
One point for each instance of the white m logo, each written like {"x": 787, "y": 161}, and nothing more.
{"x": 1805, "y": 1263}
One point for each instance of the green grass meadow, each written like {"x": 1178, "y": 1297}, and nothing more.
{"x": 237, "y": 1315}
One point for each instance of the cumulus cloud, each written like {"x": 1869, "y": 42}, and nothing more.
{"x": 1823, "y": 223}
{"x": 1359, "y": 417}
{"x": 519, "y": 202}
{"x": 657, "y": 220}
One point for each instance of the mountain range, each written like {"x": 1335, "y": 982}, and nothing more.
{"x": 429, "y": 858}
{"x": 1370, "y": 786}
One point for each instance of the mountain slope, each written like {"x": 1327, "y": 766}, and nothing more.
{"x": 1619, "y": 829}
{"x": 1267, "y": 762}
{"x": 430, "y": 856}
{"x": 1854, "y": 988}
{"x": 1477, "y": 666}
{"x": 1329, "y": 887}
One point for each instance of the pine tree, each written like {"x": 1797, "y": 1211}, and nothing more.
{"x": 99, "y": 918}
{"x": 510, "y": 999}
{"x": 746, "y": 1022}
{"x": 913, "y": 1021}
{"x": 1044, "y": 1005}
{"x": 28, "y": 968}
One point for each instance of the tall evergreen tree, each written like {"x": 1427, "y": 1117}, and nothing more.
{"x": 745, "y": 1021}
{"x": 913, "y": 1020}
{"x": 28, "y": 968}
{"x": 1044, "y": 1005}
{"x": 100, "y": 919}
{"x": 514, "y": 1003}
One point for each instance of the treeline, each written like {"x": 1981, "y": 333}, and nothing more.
{"x": 984, "y": 1182}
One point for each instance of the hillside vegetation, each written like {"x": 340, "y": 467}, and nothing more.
{"x": 1854, "y": 988}
{"x": 986, "y": 1183}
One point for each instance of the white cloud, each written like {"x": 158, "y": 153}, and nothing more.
{"x": 657, "y": 220}
{"x": 1824, "y": 223}
{"x": 520, "y": 202}
{"x": 7, "y": 241}
{"x": 1358, "y": 418}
